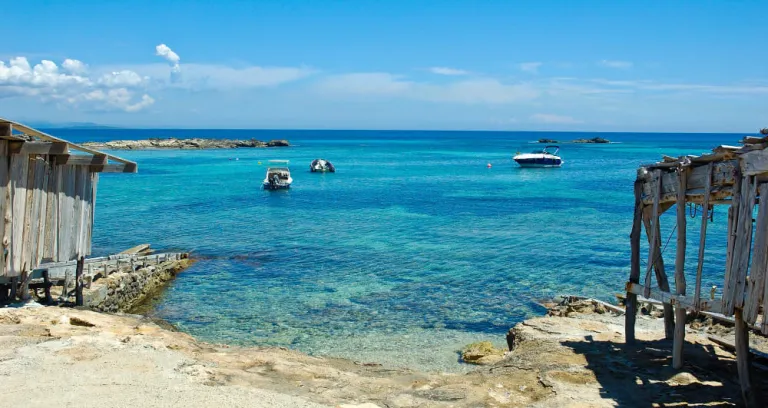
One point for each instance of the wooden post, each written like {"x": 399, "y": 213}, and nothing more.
{"x": 653, "y": 250}
{"x": 661, "y": 278}
{"x": 677, "y": 344}
{"x": 759, "y": 269}
{"x": 79, "y": 282}
{"x": 24, "y": 295}
{"x": 702, "y": 237}
{"x": 742, "y": 359}
{"x": 47, "y": 283}
{"x": 634, "y": 276}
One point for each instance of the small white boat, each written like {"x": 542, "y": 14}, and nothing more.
{"x": 540, "y": 158}
{"x": 321, "y": 166}
{"x": 278, "y": 175}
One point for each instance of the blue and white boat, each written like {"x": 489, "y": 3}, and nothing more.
{"x": 278, "y": 176}
{"x": 540, "y": 158}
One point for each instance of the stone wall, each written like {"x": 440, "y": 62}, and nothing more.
{"x": 125, "y": 289}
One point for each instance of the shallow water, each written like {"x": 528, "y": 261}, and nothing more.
{"x": 411, "y": 250}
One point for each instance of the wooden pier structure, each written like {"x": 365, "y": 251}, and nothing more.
{"x": 47, "y": 201}
{"x": 734, "y": 176}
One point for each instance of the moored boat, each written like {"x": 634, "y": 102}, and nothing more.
{"x": 321, "y": 166}
{"x": 278, "y": 175}
{"x": 540, "y": 158}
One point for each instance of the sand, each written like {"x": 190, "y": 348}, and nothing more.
{"x": 62, "y": 357}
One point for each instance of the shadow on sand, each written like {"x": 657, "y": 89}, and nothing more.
{"x": 641, "y": 375}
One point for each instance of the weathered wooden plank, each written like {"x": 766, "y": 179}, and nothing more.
{"x": 84, "y": 190}
{"x": 79, "y": 210}
{"x": 756, "y": 285}
{"x": 39, "y": 147}
{"x": 30, "y": 217}
{"x": 669, "y": 299}
{"x": 5, "y": 202}
{"x": 116, "y": 168}
{"x": 80, "y": 160}
{"x": 51, "y": 214}
{"x": 67, "y": 214}
{"x": 19, "y": 170}
{"x": 702, "y": 238}
{"x": 754, "y": 162}
{"x": 720, "y": 175}
{"x": 94, "y": 185}
{"x": 634, "y": 275}
{"x": 733, "y": 222}
{"x": 733, "y": 290}
{"x": 41, "y": 199}
{"x": 679, "y": 336}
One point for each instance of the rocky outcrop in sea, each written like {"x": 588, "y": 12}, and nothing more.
{"x": 598, "y": 140}
{"x": 173, "y": 143}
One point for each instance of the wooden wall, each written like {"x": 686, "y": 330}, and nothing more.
{"x": 47, "y": 208}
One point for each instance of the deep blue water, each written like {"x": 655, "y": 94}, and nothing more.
{"x": 412, "y": 249}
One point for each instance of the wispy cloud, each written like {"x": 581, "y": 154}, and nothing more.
{"x": 466, "y": 91}
{"x": 554, "y": 119}
{"x": 531, "y": 67}
{"x": 650, "y": 85}
{"x": 448, "y": 71}
{"x": 616, "y": 64}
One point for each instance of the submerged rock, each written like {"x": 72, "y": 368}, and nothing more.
{"x": 482, "y": 353}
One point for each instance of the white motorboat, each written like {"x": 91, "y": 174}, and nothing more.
{"x": 278, "y": 175}
{"x": 321, "y": 166}
{"x": 540, "y": 158}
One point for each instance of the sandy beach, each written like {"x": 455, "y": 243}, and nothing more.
{"x": 576, "y": 357}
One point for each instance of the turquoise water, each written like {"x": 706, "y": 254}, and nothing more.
{"x": 411, "y": 250}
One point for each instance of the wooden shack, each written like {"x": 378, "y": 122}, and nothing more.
{"x": 48, "y": 198}
{"x": 733, "y": 176}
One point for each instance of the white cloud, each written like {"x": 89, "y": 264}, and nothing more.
{"x": 448, "y": 71}
{"x": 554, "y": 119}
{"x": 223, "y": 77}
{"x": 167, "y": 53}
{"x": 370, "y": 83}
{"x": 48, "y": 83}
{"x": 532, "y": 67}
{"x": 74, "y": 66}
{"x": 616, "y": 64}
{"x": 124, "y": 78}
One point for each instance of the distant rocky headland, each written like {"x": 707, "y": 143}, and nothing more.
{"x": 592, "y": 140}
{"x": 173, "y": 143}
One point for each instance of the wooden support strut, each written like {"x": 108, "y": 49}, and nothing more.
{"x": 652, "y": 250}
{"x": 634, "y": 275}
{"x": 702, "y": 238}
{"x": 661, "y": 277}
{"x": 79, "y": 282}
{"x": 742, "y": 359}
{"x": 679, "y": 336}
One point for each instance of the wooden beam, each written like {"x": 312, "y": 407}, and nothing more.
{"x": 81, "y": 160}
{"x": 679, "y": 337}
{"x": 116, "y": 168}
{"x": 702, "y": 237}
{"x": 634, "y": 275}
{"x": 46, "y": 137}
{"x": 662, "y": 280}
{"x": 733, "y": 217}
{"x": 6, "y": 128}
{"x": 39, "y": 147}
{"x": 79, "y": 281}
{"x": 670, "y": 299}
{"x": 720, "y": 175}
{"x": 740, "y": 246}
{"x": 754, "y": 162}
{"x": 742, "y": 359}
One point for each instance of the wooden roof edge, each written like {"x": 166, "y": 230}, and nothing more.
{"x": 49, "y": 138}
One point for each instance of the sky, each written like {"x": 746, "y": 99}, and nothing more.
{"x": 641, "y": 66}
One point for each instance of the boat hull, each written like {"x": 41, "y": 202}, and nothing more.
{"x": 274, "y": 187}
{"x": 539, "y": 163}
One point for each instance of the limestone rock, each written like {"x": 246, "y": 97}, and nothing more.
{"x": 481, "y": 353}
{"x": 598, "y": 140}
{"x": 278, "y": 143}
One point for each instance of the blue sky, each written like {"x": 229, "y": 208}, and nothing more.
{"x": 495, "y": 65}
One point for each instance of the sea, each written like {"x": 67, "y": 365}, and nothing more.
{"x": 414, "y": 248}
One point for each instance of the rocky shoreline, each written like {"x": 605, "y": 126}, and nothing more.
{"x": 194, "y": 143}
{"x": 574, "y": 356}
{"x": 594, "y": 140}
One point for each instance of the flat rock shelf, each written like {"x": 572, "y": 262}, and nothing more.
{"x": 195, "y": 143}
